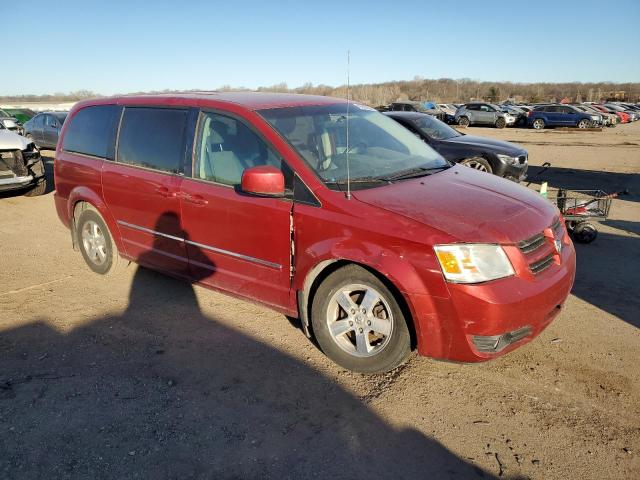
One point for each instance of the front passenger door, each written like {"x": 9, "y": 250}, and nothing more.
{"x": 235, "y": 242}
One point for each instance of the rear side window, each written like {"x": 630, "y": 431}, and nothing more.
{"x": 92, "y": 131}
{"x": 153, "y": 138}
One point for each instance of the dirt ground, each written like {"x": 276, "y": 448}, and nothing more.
{"x": 142, "y": 376}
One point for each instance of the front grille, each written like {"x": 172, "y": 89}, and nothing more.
{"x": 540, "y": 265}
{"x": 531, "y": 244}
{"x": 539, "y": 250}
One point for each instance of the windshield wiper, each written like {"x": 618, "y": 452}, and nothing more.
{"x": 414, "y": 173}
{"x": 343, "y": 181}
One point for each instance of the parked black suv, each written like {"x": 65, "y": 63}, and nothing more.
{"x": 486, "y": 154}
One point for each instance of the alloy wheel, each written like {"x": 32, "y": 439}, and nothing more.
{"x": 360, "y": 320}
{"x": 94, "y": 242}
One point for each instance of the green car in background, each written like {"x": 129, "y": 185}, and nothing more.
{"x": 21, "y": 114}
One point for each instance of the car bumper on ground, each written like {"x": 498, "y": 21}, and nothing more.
{"x": 483, "y": 321}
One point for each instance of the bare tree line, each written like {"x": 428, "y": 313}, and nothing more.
{"x": 443, "y": 90}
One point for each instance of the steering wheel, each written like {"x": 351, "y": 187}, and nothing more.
{"x": 357, "y": 145}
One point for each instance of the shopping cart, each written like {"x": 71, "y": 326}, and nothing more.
{"x": 580, "y": 206}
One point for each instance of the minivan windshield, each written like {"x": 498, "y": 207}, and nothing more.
{"x": 379, "y": 149}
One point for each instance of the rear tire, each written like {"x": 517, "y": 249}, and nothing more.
{"x": 464, "y": 121}
{"x": 358, "y": 323}
{"x": 538, "y": 124}
{"x": 501, "y": 123}
{"x": 477, "y": 163}
{"x": 96, "y": 243}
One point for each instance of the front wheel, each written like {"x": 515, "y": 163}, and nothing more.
{"x": 477, "y": 163}
{"x": 358, "y": 322}
{"x": 584, "y": 123}
{"x": 501, "y": 123}
{"x": 538, "y": 124}
{"x": 584, "y": 232}
{"x": 464, "y": 121}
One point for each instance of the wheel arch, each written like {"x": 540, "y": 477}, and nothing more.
{"x": 319, "y": 272}
{"x": 80, "y": 196}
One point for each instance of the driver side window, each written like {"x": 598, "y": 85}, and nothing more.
{"x": 226, "y": 147}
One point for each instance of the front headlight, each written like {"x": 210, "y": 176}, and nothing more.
{"x": 508, "y": 159}
{"x": 473, "y": 263}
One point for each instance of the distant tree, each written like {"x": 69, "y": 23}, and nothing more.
{"x": 493, "y": 95}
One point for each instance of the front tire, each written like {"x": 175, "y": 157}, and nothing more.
{"x": 358, "y": 323}
{"x": 464, "y": 121}
{"x": 584, "y": 232}
{"x": 538, "y": 124}
{"x": 584, "y": 123}
{"x": 96, "y": 243}
{"x": 477, "y": 163}
{"x": 501, "y": 123}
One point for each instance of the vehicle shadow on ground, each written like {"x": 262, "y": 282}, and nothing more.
{"x": 165, "y": 391}
{"x": 606, "y": 276}
{"x": 575, "y": 179}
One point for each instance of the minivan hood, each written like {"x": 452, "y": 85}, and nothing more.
{"x": 468, "y": 205}
{"x": 506, "y": 147}
{"x": 12, "y": 141}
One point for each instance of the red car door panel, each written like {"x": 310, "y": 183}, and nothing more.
{"x": 146, "y": 207}
{"x": 235, "y": 241}
{"x": 142, "y": 188}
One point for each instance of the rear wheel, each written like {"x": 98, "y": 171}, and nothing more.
{"x": 477, "y": 163}
{"x": 501, "y": 123}
{"x": 538, "y": 124}
{"x": 464, "y": 121}
{"x": 358, "y": 322}
{"x": 584, "y": 123}
{"x": 96, "y": 243}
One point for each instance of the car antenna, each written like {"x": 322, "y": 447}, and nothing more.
{"x": 348, "y": 102}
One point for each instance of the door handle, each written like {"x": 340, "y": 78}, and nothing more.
{"x": 165, "y": 192}
{"x": 195, "y": 199}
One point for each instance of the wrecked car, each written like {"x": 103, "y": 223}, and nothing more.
{"x": 21, "y": 166}
{"x": 10, "y": 123}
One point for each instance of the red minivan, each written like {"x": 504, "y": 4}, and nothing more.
{"x": 322, "y": 209}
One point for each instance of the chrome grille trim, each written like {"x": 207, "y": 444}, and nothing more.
{"x": 531, "y": 244}
{"x": 541, "y": 265}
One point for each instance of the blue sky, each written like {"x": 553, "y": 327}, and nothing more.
{"x": 122, "y": 46}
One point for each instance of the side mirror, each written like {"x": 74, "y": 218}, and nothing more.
{"x": 264, "y": 181}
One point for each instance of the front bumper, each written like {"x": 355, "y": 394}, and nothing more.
{"x": 516, "y": 172}
{"x": 483, "y": 321}
{"x": 21, "y": 173}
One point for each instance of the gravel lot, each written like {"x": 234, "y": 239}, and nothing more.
{"x": 142, "y": 376}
